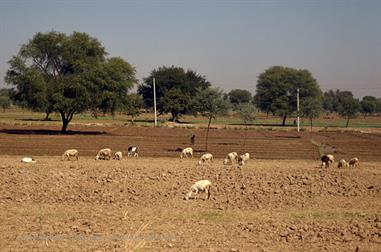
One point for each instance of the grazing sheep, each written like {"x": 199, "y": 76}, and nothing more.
{"x": 354, "y": 162}
{"x": 205, "y": 158}
{"x": 70, "y": 153}
{"x": 243, "y": 159}
{"x": 133, "y": 151}
{"x": 342, "y": 164}
{"x": 198, "y": 187}
{"x": 28, "y": 160}
{"x": 230, "y": 158}
{"x": 104, "y": 154}
{"x": 326, "y": 160}
{"x": 186, "y": 152}
{"x": 118, "y": 155}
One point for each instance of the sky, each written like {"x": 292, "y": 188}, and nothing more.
{"x": 229, "y": 42}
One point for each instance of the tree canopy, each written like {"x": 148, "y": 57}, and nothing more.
{"x": 210, "y": 103}
{"x": 239, "y": 96}
{"x": 174, "y": 89}
{"x": 277, "y": 86}
{"x": 348, "y": 106}
{"x": 370, "y": 105}
{"x": 68, "y": 74}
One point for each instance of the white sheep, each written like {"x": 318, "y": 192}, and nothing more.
{"x": 243, "y": 159}
{"x": 186, "y": 152}
{"x": 118, "y": 155}
{"x": 133, "y": 151}
{"x": 354, "y": 162}
{"x": 28, "y": 160}
{"x": 230, "y": 158}
{"x": 70, "y": 153}
{"x": 342, "y": 163}
{"x": 104, "y": 154}
{"x": 198, "y": 187}
{"x": 207, "y": 157}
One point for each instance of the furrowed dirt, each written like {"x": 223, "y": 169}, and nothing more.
{"x": 163, "y": 142}
{"x": 267, "y": 205}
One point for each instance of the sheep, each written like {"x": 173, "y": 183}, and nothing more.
{"x": 243, "y": 159}
{"x": 28, "y": 160}
{"x": 104, "y": 154}
{"x": 326, "y": 160}
{"x": 70, "y": 153}
{"x": 186, "y": 152}
{"x": 342, "y": 164}
{"x": 198, "y": 187}
{"x": 118, "y": 155}
{"x": 205, "y": 158}
{"x": 230, "y": 158}
{"x": 133, "y": 151}
{"x": 354, "y": 162}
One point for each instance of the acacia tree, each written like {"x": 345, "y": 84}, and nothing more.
{"x": 68, "y": 74}
{"x": 174, "y": 89}
{"x": 210, "y": 103}
{"x": 348, "y": 106}
{"x": 132, "y": 106}
{"x": 369, "y": 105}
{"x": 311, "y": 108}
{"x": 277, "y": 86}
{"x": 239, "y": 96}
{"x": 246, "y": 112}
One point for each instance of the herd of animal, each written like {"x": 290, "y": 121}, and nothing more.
{"x": 327, "y": 160}
{"x": 201, "y": 186}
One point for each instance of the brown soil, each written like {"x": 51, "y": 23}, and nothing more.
{"x": 267, "y": 205}
{"x": 163, "y": 142}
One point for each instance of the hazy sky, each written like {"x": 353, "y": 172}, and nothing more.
{"x": 230, "y": 42}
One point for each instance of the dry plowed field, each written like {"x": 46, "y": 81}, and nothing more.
{"x": 267, "y": 205}
{"x": 163, "y": 142}
{"x": 280, "y": 201}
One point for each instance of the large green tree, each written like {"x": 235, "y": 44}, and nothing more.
{"x": 174, "y": 89}
{"x": 348, "y": 106}
{"x": 210, "y": 103}
{"x": 277, "y": 86}
{"x": 68, "y": 74}
{"x": 369, "y": 105}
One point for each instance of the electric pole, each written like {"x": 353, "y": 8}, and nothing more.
{"x": 297, "y": 103}
{"x": 154, "y": 100}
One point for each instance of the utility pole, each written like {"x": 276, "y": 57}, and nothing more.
{"x": 297, "y": 102}
{"x": 154, "y": 100}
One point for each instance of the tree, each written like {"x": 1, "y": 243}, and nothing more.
{"x": 185, "y": 84}
{"x": 277, "y": 86}
{"x": 239, "y": 96}
{"x": 246, "y": 112}
{"x": 210, "y": 103}
{"x": 311, "y": 107}
{"x": 132, "y": 106}
{"x": 5, "y": 102}
{"x": 330, "y": 101}
{"x": 68, "y": 74}
{"x": 369, "y": 105}
{"x": 348, "y": 106}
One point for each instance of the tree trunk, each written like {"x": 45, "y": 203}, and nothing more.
{"x": 47, "y": 115}
{"x": 284, "y": 119}
{"x": 347, "y": 122}
{"x": 174, "y": 117}
{"x": 207, "y": 133}
{"x": 311, "y": 123}
{"x": 65, "y": 123}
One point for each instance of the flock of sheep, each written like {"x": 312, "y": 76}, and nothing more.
{"x": 202, "y": 186}
{"x": 326, "y": 160}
